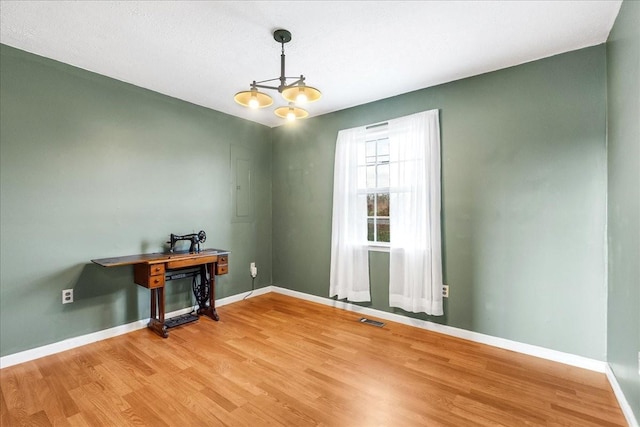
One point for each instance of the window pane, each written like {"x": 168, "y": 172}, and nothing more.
{"x": 383, "y": 150}
{"x": 383, "y": 176}
{"x": 371, "y": 151}
{"x": 371, "y": 203}
{"x": 371, "y": 177}
{"x": 384, "y": 234}
{"x": 370, "y": 230}
{"x": 382, "y": 208}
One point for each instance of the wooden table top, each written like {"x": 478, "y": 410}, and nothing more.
{"x": 157, "y": 257}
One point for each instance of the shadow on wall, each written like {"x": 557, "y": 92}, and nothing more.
{"x": 442, "y": 320}
{"x": 111, "y": 291}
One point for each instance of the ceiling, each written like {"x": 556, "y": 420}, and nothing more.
{"x": 353, "y": 51}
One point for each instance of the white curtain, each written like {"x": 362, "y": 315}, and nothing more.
{"x": 349, "y": 246}
{"x": 415, "y": 270}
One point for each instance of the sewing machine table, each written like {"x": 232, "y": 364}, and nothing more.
{"x": 152, "y": 271}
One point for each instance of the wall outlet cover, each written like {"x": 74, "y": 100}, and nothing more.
{"x": 445, "y": 291}
{"x": 67, "y": 296}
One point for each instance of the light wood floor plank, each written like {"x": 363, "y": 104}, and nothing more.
{"x": 274, "y": 360}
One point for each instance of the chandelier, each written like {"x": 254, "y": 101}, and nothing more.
{"x": 295, "y": 93}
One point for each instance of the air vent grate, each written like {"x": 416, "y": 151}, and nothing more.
{"x": 371, "y": 322}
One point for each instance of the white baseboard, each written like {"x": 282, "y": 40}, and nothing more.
{"x": 554, "y": 355}
{"x": 622, "y": 400}
{"x": 557, "y": 356}
{"x": 532, "y": 350}
{"x": 239, "y": 297}
{"x": 68, "y": 344}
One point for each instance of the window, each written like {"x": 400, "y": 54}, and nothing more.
{"x": 374, "y": 166}
{"x": 386, "y": 193}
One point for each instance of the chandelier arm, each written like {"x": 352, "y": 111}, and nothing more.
{"x": 300, "y": 80}
{"x": 265, "y": 81}
{"x": 286, "y": 86}
{"x": 265, "y": 86}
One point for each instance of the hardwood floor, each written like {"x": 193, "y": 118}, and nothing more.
{"x": 277, "y": 360}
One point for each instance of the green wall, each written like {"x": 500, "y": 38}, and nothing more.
{"x": 524, "y": 201}
{"x": 623, "y": 90}
{"x": 92, "y": 167}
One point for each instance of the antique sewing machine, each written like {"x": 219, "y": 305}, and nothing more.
{"x": 195, "y": 240}
{"x": 154, "y": 270}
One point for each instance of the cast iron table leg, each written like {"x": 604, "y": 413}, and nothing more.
{"x": 211, "y": 310}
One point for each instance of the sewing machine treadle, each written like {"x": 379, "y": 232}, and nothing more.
{"x": 153, "y": 271}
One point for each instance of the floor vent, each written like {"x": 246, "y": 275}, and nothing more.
{"x": 371, "y": 322}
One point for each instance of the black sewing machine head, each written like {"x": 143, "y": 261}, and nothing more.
{"x": 195, "y": 240}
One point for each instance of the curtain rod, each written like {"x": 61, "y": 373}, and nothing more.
{"x": 376, "y": 125}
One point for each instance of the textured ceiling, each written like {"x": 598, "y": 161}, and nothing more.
{"x": 355, "y": 52}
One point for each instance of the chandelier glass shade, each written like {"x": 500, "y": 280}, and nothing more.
{"x": 291, "y": 112}
{"x": 253, "y": 99}
{"x": 301, "y": 94}
{"x": 295, "y": 92}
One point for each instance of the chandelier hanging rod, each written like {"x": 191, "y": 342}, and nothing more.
{"x": 282, "y": 36}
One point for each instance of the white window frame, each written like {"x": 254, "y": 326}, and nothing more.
{"x": 375, "y": 132}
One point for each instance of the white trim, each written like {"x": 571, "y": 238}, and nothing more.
{"x": 239, "y": 297}
{"x": 68, "y": 344}
{"x": 622, "y": 400}
{"x": 532, "y": 350}
{"x": 554, "y": 355}
{"x": 377, "y": 247}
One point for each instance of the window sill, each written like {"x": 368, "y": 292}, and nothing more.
{"x": 379, "y": 248}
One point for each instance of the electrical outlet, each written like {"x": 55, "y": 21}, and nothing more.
{"x": 445, "y": 291}
{"x": 253, "y": 270}
{"x": 67, "y": 296}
